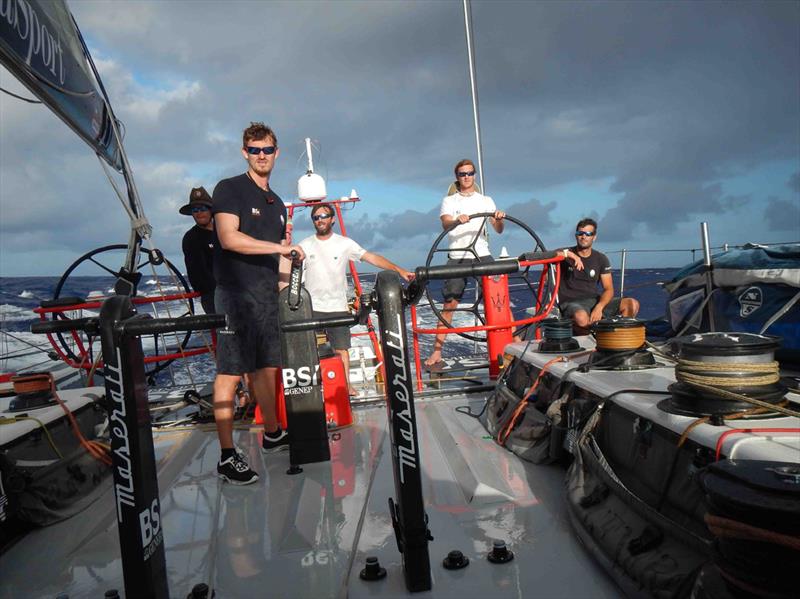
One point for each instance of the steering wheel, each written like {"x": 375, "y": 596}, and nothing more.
{"x": 97, "y": 262}
{"x": 470, "y": 249}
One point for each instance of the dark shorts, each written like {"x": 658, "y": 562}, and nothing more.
{"x": 339, "y": 337}
{"x": 207, "y": 301}
{"x": 453, "y": 289}
{"x": 568, "y": 309}
{"x": 251, "y": 340}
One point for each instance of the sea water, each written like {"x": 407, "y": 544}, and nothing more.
{"x": 20, "y": 295}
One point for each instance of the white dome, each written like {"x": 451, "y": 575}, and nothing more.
{"x": 311, "y": 187}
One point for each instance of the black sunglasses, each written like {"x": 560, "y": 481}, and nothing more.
{"x": 200, "y": 209}
{"x": 584, "y": 233}
{"x": 254, "y": 151}
{"x": 467, "y": 174}
{"x": 317, "y": 217}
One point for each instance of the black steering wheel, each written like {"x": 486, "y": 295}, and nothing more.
{"x": 470, "y": 249}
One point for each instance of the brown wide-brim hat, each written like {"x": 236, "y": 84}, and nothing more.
{"x": 197, "y": 197}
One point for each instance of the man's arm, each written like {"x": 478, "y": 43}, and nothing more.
{"x": 448, "y": 220}
{"x": 381, "y": 262}
{"x": 497, "y": 221}
{"x": 233, "y": 240}
{"x": 608, "y": 293}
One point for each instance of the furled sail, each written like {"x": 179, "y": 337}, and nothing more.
{"x": 40, "y": 44}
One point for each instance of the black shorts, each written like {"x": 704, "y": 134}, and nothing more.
{"x": 453, "y": 289}
{"x": 207, "y": 301}
{"x": 568, "y": 309}
{"x": 251, "y": 340}
{"x": 339, "y": 337}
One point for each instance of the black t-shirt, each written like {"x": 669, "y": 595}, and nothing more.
{"x": 198, "y": 254}
{"x": 262, "y": 216}
{"x": 582, "y": 284}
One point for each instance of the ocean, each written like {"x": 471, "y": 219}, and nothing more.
{"x": 20, "y": 295}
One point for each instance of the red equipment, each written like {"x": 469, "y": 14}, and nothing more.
{"x": 334, "y": 390}
{"x": 497, "y": 306}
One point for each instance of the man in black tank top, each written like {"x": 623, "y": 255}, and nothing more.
{"x": 578, "y": 296}
{"x": 250, "y": 243}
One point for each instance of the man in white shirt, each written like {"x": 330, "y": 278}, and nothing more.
{"x": 469, "y": 234}
{"x": 327, "y": 256}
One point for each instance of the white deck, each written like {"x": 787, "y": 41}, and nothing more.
{"x": 308, "y": 535}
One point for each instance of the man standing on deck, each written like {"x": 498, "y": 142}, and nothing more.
{"x": 250, "y": 241}
{"x": 577, "y": 294}
{"x": 457, "y": 208}
{"x": 198, "y": 247}
{"x": 327, "y": 257}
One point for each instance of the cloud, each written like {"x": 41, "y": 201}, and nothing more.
{"x": 794, "y": 182}
{"x": 783, "y": 215}
{"x": 668, "y": 101}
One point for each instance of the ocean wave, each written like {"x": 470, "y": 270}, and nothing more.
{"x": 26, "y": 294}
{"x": 11, "y": 313}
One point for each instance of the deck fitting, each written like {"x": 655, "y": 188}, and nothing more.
{"x": 373, "y": 571}
{"x": 500, "y": 554}
{"x": 455, "y": 560}
{"x": 200, "y": 591}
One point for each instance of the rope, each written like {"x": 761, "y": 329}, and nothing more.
{"x": 24, "y": 99}
{"x": 502, "y": 436}
{"x": 712, "y": 384}
{"x": 13, "y": 419}
{"x": 620, "y": 339}
{"x": 97, "y": 450}
{"x": 764, "y": 373}
{"x": 734, "y": 529}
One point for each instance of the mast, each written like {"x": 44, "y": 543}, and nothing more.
{"x": 474, "y": 87}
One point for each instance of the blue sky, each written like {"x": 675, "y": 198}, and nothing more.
{"x": 651, "y": 117}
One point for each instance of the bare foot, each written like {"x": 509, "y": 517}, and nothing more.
{"x": 434, "y": 358}
{"x": 352, "y": 392}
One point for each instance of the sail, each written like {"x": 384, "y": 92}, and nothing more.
{"x": 40, "y": 45}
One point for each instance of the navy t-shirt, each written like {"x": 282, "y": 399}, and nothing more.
{"x": 262, "y": 215}
{"x": 582, "y": 284}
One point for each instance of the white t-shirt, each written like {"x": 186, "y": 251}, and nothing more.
{"x": 325, "y": 270}
{"x": 462, "y": 235}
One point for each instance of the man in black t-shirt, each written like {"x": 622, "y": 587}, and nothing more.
{"x": 577, "y": 294}
{"x": 198, "y": 247}
{"x": 250, "y": 231}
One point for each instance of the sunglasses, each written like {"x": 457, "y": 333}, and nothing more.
{"x": 254, "y": 151}
{"x": 200, "y": 209}
{"x": 317, "y": 217}
{"x": 584, "y": 233}
{"x": 466, "y": 174}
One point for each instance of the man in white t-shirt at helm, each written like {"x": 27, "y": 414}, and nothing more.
{"x": 457, "y": 208}
{"x": 327, "y": 257}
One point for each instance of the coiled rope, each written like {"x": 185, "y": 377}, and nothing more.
{"x": 762, "y": 373}
{"x": 767, "y": 373}
{"x": 621, "y": 339}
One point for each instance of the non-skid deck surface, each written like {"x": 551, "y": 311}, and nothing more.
{"x": 308, "y": 535}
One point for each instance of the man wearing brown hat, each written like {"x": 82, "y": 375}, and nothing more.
{"x": 198, "y": 247}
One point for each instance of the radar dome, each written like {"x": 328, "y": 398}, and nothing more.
{"x": 311, "y": 188}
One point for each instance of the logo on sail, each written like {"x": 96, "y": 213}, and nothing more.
{"x": 750, "y": 300}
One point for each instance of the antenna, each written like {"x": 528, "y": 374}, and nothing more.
{"x": 308, "y": 153}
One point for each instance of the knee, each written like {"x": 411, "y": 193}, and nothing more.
{"x": 629, "y": 307}
{"x": 581, "y": 319}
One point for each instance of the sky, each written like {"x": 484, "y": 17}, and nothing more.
{"x": 649, "y": 117}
